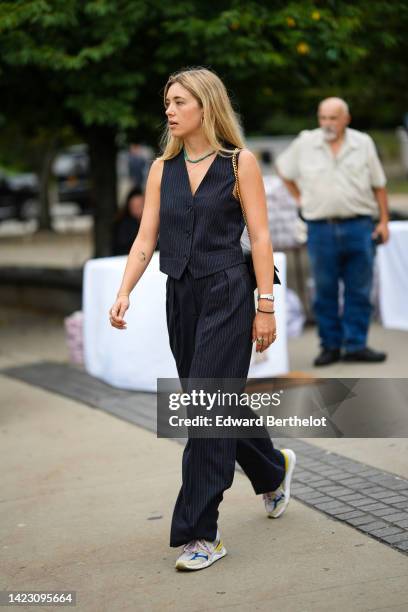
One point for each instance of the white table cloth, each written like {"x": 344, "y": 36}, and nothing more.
{"x": 134, "y": 358}
{"x": 393, "y": 277}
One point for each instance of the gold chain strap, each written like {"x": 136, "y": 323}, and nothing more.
{"x": 234, "y": 165}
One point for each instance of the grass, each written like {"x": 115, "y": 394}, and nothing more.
{"x": 388, "y": 145}
{"x": 397, "y": 185}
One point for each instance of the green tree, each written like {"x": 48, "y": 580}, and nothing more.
{"x": 30, "y": 133}
{"x": 99, "y": 66}
{"x": 378, "y": 85}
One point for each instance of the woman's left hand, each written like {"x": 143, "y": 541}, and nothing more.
{"x": 264, "y": 326}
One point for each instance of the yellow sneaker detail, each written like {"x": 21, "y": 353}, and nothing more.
{"x": 277, "y": 501}
{"x": 199, "y": 554}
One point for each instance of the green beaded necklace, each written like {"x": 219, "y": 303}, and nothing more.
{"x": 195, "y": 161}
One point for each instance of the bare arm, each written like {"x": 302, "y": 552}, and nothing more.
{"x": 254, "y": 200}
{"x": 292, "y": 188}
{"x": 145, "y": 242}
{"x": 381, "y": 229}
{"x": 382, "y": 200}
{"x": 142, "y": 248}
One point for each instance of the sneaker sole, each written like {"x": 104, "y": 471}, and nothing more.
{"x": 355, "y": 360}
{"x": 323, "y": 365}
{"x": 291, "y": 457}
{"x": 181, "y": 567}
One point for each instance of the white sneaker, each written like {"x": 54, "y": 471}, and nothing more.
{"x": 277, "y": 501}
{"x": 199, "y": 554}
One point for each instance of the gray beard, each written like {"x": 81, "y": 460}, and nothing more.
{"x": 329, "y": 135}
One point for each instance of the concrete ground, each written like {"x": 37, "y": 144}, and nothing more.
{"x": 21, "y": 245}
{"x": 86, "y": 498}
{"x": 86, "y": 504}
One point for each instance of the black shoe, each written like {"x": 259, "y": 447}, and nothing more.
{"x": 365, "y": 354}
{"x": 327, "y": 356}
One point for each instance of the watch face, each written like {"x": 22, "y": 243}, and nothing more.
{"x": 266, "y": 296}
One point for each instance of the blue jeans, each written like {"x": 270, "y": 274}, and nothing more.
{"x": 344, "y": 251}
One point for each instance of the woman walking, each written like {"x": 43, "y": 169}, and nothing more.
{"x": 193, "y": 196}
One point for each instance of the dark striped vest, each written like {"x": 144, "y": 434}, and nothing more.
{"x": 200, "y": 232}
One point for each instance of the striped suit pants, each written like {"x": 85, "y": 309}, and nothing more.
{"x": 209, "y": 321}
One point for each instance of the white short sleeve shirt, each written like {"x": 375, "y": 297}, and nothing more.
{"x": 333, "y": 186}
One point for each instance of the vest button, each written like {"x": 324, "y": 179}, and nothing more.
{"x": 188, "y": 232}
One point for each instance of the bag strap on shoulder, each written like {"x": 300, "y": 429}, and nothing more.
{"x": 235, "y": 167}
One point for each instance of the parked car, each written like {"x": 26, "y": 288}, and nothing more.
{"x": 18, "y": 195}
{"x": 71, "y": 169}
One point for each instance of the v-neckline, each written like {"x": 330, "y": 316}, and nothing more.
{"x": 193, "y": 195}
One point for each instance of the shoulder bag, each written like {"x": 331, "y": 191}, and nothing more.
{"x": 247, "y": 253}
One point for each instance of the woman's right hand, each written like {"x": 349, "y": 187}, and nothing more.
{"x": 116, "y": 313}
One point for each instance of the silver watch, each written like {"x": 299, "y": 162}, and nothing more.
{"x": 266, "y": 296}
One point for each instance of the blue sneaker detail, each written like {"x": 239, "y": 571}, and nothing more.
{"x": 277, "y": 501}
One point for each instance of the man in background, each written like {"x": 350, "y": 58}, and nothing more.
{"x": 337, "y": 179}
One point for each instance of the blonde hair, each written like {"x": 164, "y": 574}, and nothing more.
{"x": 221, "y": 124}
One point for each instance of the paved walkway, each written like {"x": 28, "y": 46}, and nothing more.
{"x": 86, "y": 497}
{"x": 87, "y": 501}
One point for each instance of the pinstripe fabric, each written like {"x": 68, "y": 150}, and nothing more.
{"x": 201, "y": 232}
{"x": 209, "y": 319}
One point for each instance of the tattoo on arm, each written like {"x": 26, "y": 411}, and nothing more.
{"x": 142, "y": 256}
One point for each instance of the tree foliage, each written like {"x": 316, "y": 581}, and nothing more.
{"x": 105, "y": 61}
{"x": 99, "y": 66}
